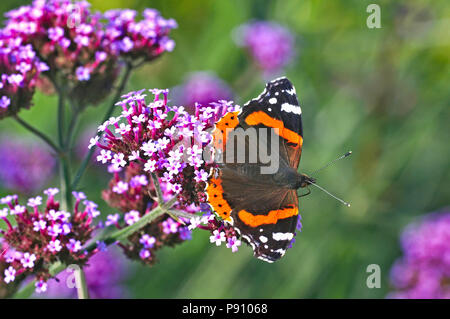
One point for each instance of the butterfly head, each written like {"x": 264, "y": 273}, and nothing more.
{"x": 304, "y": 180}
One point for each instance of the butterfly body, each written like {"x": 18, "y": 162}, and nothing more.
{"x": 256, "y": 190}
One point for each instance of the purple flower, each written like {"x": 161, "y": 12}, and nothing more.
{"x": 43, "y": 234}
{"x": 268, "y": 43}
{"x": 55, "y": 33}
{"x": 185, "y": 233}
{"x": 144, "y": 253}
{"x": 4, "y": 102}
{"x": 10, "y": 275}
{"x": 28, "y": 260}
{"x": 79, "y": 195}
{"x": 132, "y": 217}
{"x": 83, "y": 74}
{"x": 112, "y": 219}
{"x": 118, "y": 160}
{"x": 54, "y": 245}
{"x": 218, "y": 237}
{"x": 68, "y": 50}
{"x": 104, "y": 156}
{"x": 120, "y": 188}
{"x": 74, "y": 245}
{"x": 233, "y": 243}
{"x": 424, "y": 269}
{"x": 170, "y": 226}
{"x": 105, "y": 274}
{"x": 145, "y": 39}
{"x": 25, "y": 165}
{"x": 33, "y": 202}
{"x": 41, "y": 286}
{"x": 147, "y": 241}
{"x": 51, "y": 192}
{"x": 202, "y": 88}
{"x": 139, "y": 180}
{"x": 167, "y": 140}
{"x": 139, "y": 200}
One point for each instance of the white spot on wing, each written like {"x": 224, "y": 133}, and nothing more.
{"x": 282, "y": 236}
{"x": 263, "y": 239}
{"x": 290, "y": 108}
{"x": 265, "y": 259}
{"x": 273, "y": 100}
{"x": 291, "y": 92}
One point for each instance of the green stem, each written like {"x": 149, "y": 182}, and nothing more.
{"x": 71, "y": 131}
{"x": 158, "y": 189}
{"x": 146, "y": 219}
{"x": 80, "y": 280}
{"x": 39, "y": 134}
{"x": 64, "y": 175}
{"x": 61, "y": 118}
{"x": 64, "y": 164}
{"x": 108, "y": 113}
{"x": 247, "y": 80}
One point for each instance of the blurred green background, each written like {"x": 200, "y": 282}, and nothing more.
{"x": 382, "y": 93}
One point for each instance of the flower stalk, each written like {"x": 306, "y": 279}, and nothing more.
{"x": 80, "y": 280}
{"x": 39, "y": 134}
{"x": 108, "y": 113}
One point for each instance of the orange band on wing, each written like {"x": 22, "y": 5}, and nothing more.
{"x": 271, "y": 218}
{"x": 215, "y": 198}
{"x": 260, "y": 117}
{"x": 228, "y": 121}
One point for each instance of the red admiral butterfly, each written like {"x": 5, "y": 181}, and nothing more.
{"x": 262, "y": 207}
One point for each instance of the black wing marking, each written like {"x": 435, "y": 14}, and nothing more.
{"x": 279, "y": 100}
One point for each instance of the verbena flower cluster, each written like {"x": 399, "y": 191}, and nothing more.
{"x": 202, "y": 88}
{"x": 271, "y": 45}
{"x": 43, "y": 234}
{"x": 19, "y": 72}
{"x": 221, "y": 232}
{"x": 25, "y": 166}
{"x": 82, "y": 50}
{"x": 134, "y": 194}
{"x": 105, "y": 274}
{"x": 167, "y": 140}
{"x": 69, "y": 38}
{"x": 145, "y": 39}
{"x": 424, "y": 270}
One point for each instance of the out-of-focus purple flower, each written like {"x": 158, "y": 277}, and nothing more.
{"x": 424, "y": 270}
{"x": 24, "y": 166}
{"x": 105, "y": 274}
{"x": 270, "y": 45}
{"x": 202, "y": 88}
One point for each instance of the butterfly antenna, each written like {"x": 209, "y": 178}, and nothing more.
{"x": 332, "y": 162}
{"x": 327, "y": 192}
